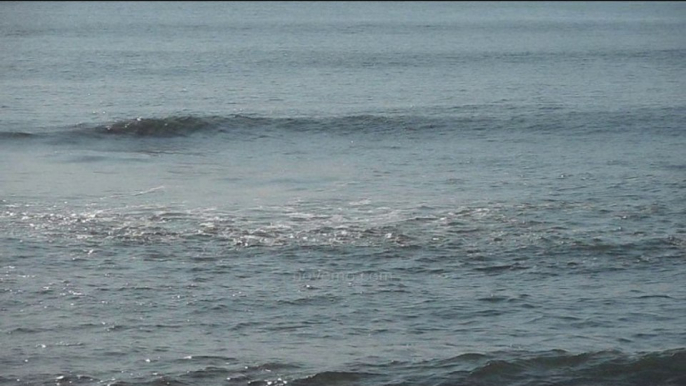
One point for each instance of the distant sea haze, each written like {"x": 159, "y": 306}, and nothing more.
{"x": 333, "y": 193}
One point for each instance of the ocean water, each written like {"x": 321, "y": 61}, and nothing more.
{"x": 366, "y": 193}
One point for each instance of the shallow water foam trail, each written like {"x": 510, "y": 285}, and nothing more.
{"x": 495, "y": 229}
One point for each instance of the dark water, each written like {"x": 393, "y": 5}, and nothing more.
{"x": 342, "y": 193}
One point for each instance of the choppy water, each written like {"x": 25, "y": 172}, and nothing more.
{"x": 342, "y": 193}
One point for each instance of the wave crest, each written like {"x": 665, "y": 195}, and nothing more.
{"x": 159, "y": 127}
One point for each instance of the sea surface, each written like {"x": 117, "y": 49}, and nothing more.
{"x": 329, "y": 193}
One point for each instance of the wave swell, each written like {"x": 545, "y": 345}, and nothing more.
{"x": 462, "y": 119}
{"x": 554, "y": 368}
{"x": 176, "y": 126}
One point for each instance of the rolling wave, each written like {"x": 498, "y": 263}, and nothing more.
{"x": 557, "y": 367}
{"x": 460, "y": 119}
{"x": 180, "y": 126}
